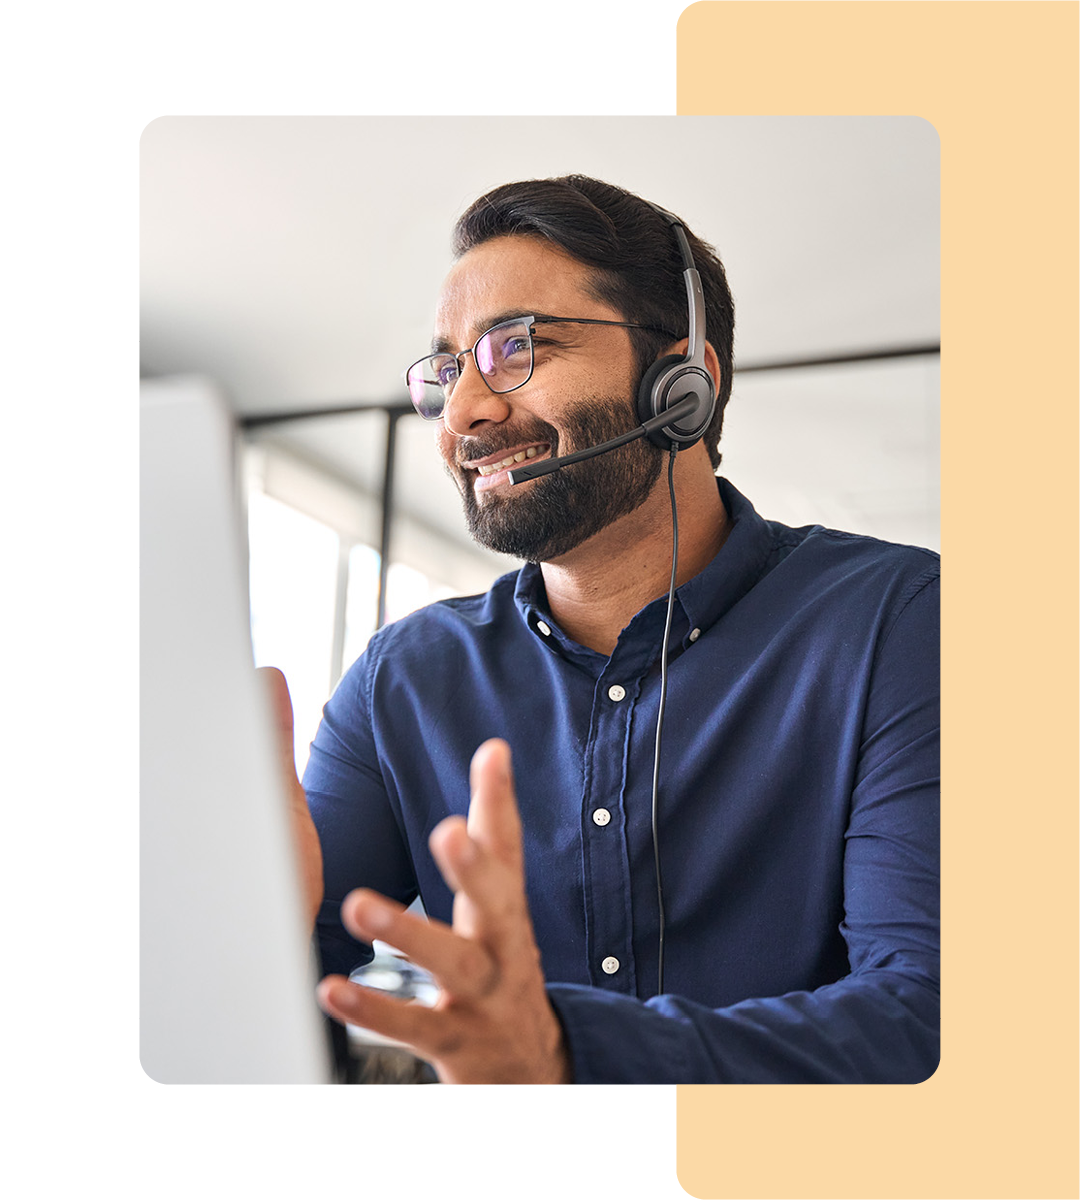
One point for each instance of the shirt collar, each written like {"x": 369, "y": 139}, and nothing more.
{"x": 735, "y": 570}
{"x": 703, "y": 600}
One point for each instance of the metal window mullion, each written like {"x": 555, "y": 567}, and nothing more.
{"x": 387, "y": 523}
{"x": 341, "y": 596}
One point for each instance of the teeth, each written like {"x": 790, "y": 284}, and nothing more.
{"x": 521, "y": 456}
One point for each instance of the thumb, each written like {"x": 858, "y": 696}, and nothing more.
{"x": 305, "y": 837}
{"x": 274, "y": 681}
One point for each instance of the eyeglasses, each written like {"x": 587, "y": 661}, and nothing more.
{"x": 504, "y": 356}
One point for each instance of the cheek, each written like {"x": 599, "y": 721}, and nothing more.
{"x": 444, "y": 444}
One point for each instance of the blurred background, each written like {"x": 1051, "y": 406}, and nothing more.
{"x": 291, "y": 265}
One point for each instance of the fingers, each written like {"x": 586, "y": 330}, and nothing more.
{"x": 454, "y": 851}
{"x": 461, "y": 967}
{"x": 371, "y": 1009}
{"x": 493, "y": 814}
{"x": 482, "y": 862}
{"x": 490, "y": 899}
{"x": 493, "y": 1022}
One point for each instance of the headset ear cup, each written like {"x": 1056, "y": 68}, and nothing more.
{"x": 648, "y": 403}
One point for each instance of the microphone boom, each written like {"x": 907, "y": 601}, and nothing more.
{"x": 681, "y": 408}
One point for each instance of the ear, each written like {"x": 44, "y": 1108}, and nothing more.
{"x": 712, "y": 361}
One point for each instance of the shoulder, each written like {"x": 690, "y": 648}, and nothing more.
{"x": 444, "y": 630}
{"x": 814, "y": 560}
{"x": 852, "y": 578}
{"x": 834, "y": 554}
{"x": 429, "y": 670}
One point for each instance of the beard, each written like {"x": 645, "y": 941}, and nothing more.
{"x": 561, "y": 510}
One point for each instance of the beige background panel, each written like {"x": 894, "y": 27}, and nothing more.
{"x": 999, "y": 83}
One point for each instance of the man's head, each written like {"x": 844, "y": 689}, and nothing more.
{"x": 634, "y": 262}
{"x": 572, "y": 248}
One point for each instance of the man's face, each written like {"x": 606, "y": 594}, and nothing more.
{"x": 580, "y": 394}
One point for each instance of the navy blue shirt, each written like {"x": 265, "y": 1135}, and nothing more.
{"x": 798, "y": 805}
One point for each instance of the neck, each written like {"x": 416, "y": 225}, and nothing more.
{"x": 595, "y": 590}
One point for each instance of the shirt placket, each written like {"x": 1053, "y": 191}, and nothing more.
{"x": 609, "y": 914}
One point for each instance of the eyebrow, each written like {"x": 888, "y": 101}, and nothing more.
{"x": 443, "y": 345}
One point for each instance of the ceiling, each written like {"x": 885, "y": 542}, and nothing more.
{"x": 296, "y": 261}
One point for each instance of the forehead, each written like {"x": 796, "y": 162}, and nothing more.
{"x": 512, "y": 276}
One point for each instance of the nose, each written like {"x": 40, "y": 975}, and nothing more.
{"x": 472, "y": 403}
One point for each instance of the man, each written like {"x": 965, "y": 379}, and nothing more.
{"x": 796, "y": 828}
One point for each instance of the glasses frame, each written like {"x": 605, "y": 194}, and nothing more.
{"x": 528, "y": 321}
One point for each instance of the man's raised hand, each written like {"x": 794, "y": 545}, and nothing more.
{"x": 492, "y": 1022}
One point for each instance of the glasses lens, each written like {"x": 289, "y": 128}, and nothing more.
{"x": 505, "y": 355}
{"x": 429, "y": 382}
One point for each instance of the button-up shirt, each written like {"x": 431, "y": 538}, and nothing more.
{"x": 798, "y": 801}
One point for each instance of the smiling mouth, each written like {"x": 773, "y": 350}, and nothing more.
{"x": 519, "y": 456}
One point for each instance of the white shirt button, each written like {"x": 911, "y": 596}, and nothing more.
{"x": 695, "y": 634}
{"x": 544, "y": 628}
{"x": 601, "y": 816}
{"x": 616, "y": 692}
{"x": 610, "y": 965}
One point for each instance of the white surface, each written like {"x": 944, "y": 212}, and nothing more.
{"x": 853, "y": 447}
{"x": 220, "y": 907}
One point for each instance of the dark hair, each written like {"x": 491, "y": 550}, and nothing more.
{"x": 637, "y": 268}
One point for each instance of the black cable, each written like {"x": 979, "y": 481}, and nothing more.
{"x": 660, "y": 718}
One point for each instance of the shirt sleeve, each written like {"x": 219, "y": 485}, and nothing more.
{"x": 878, "y": 1024}
{"x": 361, "y": 838}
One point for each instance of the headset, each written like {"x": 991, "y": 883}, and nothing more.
{"x": 675, "y": 378}
{"x": 675, "y": 403}
{"x": 676, "y": 398}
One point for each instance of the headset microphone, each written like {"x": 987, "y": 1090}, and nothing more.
{"x": 683, "y": 408}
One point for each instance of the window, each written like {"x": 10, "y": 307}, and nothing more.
{"x": 293, "y": 567}
{"x": 313, "y": 596}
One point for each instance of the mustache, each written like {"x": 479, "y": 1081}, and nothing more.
{"x": 481, "y": 445}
